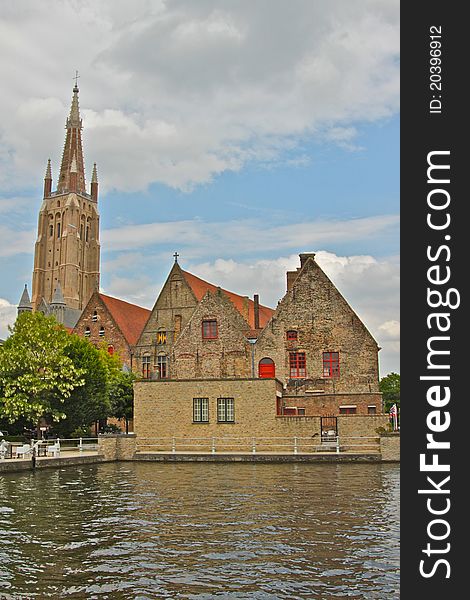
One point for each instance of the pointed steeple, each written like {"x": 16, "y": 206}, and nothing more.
{"x": 94, "y": 184}
{"x": 48, "y": 180}
{"x": 58, "y": 297}
{"x": 72, "y": 148}
{"x": 25, "y": 301}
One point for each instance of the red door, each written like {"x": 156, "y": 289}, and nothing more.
{"x": 266, "y": 369}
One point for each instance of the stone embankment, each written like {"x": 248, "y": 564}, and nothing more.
{"x": 124, "y": 448}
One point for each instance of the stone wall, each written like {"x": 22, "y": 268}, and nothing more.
{"x": 117, "y": 447}
{"x": 324, "y": 322}
{"x": 164, "y": 409}
{"x": 112, "y": 334}
{"x": 329, "y": 404}
{"x": 390, "y": 447}
{"x": 172, "y": 311}
{"x": 227, "y": 355}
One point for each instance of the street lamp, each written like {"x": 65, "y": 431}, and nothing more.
{"x": 252, "y": 341}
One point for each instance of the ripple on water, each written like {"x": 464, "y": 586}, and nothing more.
{"x": 201, "y": 531}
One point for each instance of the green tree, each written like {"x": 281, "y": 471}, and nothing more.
{"x": 36, "y": 375}
{"x": 90, "y": 402}
{"x": 121, "y": 396}
{"x": 390, "y": 388}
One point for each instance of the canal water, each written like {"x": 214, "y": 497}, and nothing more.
{"x": 201, "y": 531}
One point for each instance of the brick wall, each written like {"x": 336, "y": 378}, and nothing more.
{"x": 329, "y": 404}
{"x": 172, "y": 311}
{"x": 112, "y": 334}
{"x": 324, "y": 323}
{"x": 163, "y": 409}
{"x": 228, "y": 355}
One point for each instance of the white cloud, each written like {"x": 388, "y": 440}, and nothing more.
{"x": 180, "y": 91}
{"x": 16, "y": 242}
{"x": 7, "y": 317}
{"x": 199, "y": 238}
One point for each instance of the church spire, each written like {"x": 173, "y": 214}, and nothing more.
{"x": 48, "y": 180}
{"x": 72, "y": 148}
{"x": 94, "y": 184}
{"x": 25, "y": 302}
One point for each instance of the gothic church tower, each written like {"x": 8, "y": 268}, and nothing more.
{"x": 67, "y": 250}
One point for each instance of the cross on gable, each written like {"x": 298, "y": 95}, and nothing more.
{"x": 176, "y": 256}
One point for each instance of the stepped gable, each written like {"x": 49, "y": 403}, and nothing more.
{"x": 201, "y": 287}
{"x": 130, "y": 318}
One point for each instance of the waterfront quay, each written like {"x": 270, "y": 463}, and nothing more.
{"x": 121, "y": 447}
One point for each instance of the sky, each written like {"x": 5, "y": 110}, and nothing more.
{"x": 238, "y": 134}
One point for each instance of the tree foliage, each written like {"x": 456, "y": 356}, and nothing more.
{"x": 390, "y": 388}
{"x": 90, "y": 402}
{"x": 36, "y": 374}
{"x": 121, "y": 395}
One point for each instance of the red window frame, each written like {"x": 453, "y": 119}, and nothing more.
{"x": 209, "y": 329}
{"x": 349, "y": 410}
{"x": 331, "y": 364}
{"x": 297, "y": 365}
{"x": 146, "y": 366}
{"x": 292, "y": 335}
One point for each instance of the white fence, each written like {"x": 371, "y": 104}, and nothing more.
{"x": 243, "y": 445}
{"x": 52, "y": 447}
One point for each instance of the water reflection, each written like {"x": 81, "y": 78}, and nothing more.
{"x": 143, "y": 530}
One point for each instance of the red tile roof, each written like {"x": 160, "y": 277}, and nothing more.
{"x": 130, "y": 318}
{"x": 242, "y": 303}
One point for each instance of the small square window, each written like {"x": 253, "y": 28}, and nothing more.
{"x": 347, "y": 410}
{"x": 371, "y": 410}
{"x": 209, "y": 329}
{"x": 292, "y": 335}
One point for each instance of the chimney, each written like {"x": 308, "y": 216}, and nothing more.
{"x": 291, "y": 277}
{"x": 256, "y": 306}
{"x": 305, "y": 256}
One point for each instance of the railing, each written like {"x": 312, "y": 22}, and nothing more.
{"x": 51, "y": 447}
{"x": 253, "y": 445}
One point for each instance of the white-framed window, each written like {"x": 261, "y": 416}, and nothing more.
{"x": 225, "y": 410}
{"x": 201, "y": 410}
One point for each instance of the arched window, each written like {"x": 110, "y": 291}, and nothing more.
{"x": 266, "y": 368}
{"x": 101, "y": 331}
{"x": 94, "y": 318}
{"x": 58, "y": 229}
{"x": 86, "y": 233}
{"x": 51, "y": 230}
{"x": 87, "y": 332}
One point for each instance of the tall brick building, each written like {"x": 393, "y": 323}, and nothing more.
{"x": 67, "y": 251}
